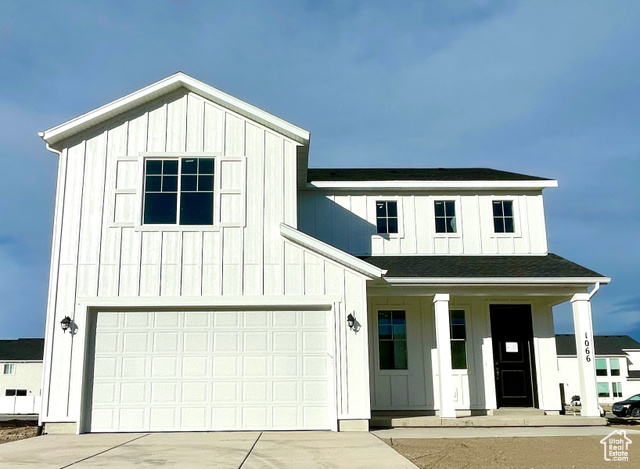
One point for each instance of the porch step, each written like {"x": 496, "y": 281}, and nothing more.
{"x": 517, "y": 411}
{"x": 526, "y": 420}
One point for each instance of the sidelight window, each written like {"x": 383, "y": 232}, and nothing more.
{"x": 392, "y": 340}
{"x": 458, "y": 340}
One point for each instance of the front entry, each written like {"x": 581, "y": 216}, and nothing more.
{"x": 514, "y": 367}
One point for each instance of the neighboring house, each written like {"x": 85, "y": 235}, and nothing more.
{"x": 21, "y": 378}
{"x": 617, "y": 360}
{"x": 210, "y": 281}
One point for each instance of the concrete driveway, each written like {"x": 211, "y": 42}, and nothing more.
{"x": 244, "y": 450}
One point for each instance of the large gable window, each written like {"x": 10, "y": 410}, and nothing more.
{"x": 178, "y": 191}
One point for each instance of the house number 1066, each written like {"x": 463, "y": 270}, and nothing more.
{"x": 587, "y": 350}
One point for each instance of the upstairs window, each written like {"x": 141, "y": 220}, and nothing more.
{"x": 614, "y": 364}
{"x": 458, "y": 340}
{"x": 387, "y": 216}
{"x": 392, "y": 340}
{"x": 601, "y": 367}
{"x": 503, "y": 216}
{"x": 9, "y": 368}
{"x": 445, "y": 216}
{"x": 178, "y": 191}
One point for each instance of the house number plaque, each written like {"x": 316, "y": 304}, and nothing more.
{"x": 587, "y": 347}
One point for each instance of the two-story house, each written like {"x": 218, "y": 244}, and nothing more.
{"x": 204, "y": 278}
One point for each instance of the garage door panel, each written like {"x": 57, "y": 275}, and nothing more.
{"x": 198, "y": 371}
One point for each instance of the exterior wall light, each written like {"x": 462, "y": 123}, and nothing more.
{"x": 65, "y": 323}
{"x": 351, "y": 320}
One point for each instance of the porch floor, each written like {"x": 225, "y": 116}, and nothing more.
{"x": 500, "y": 418}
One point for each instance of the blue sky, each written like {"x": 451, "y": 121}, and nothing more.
{"x": 545, "y": 88}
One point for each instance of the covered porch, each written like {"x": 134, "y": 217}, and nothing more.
{"x": 477, "y": 349}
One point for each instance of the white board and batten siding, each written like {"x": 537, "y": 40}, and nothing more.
{"x": 100, "y": 250}
{"x": 348, "y": 221}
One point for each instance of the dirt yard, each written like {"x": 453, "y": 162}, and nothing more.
{"x": 17, "y": 430}
{"x": 530, "y": 452}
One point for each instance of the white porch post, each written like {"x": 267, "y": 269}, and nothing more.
{"x": 443, "y": 344}
{"x": 583, "y": 327}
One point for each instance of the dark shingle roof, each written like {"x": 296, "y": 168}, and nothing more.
{"x": 479, "y": 266}
{"x": 416, "y": 174}
{"x": 604, "y": 344}
{"x": 634, "y": 374}
{"x": 21, "y": 349}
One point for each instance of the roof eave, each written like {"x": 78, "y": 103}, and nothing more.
{"x": 583, "y": 281}
{"x": 431, "y": 185}
{"x": 161, "y": 88}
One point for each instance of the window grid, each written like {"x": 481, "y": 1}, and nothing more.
{"x": 387, "y": 216}
{"x": 178, "y": 191}
{"x": 458, "y": 329}
{"x": 617, "y": 389}
{"x": 392, "y": 340}
{"x": 445, "y": 216}
{"x": 503, "y": 216}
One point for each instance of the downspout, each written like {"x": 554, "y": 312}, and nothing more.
{"x": 46, "y": 359}
{"x": 596, "y": 287}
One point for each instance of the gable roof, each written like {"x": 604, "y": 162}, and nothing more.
{"x": 416, "y": 174}
{"x": 21, "y": 349}
{"x": 163, "y": 87}
{"x": 603, "y": 344}
{"x": 548, "y": 267}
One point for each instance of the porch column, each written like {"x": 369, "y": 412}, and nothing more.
{"x": 583, "y": 327}
{"x": 443, "y": 344}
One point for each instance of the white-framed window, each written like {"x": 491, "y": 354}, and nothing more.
{"x": 603, "y": 390}
{"x": 392, "y": 340}
{"x": 601, "y": 367}
{"x": 614, "y": 366}
{"x": 617, "y": 389}
{"x": 458, "y": 330}
{"x": 445, "y": 216}
{"x": 9, "y": 368}
{"x": 386, "y": 216}
{"x": 178, "y": 191}
{"x": 15, "y": 392}
{"x": 503, "y": 216}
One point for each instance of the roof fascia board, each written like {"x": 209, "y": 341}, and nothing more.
{"x": 331, "y": 252}
{"x": 423, "y": 185}
{"x": 161, "y": 88}
{"x": 586, "y": 281}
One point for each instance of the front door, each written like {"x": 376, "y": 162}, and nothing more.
{"x": 512, "y": 336}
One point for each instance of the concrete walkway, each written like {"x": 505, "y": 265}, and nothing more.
{"x": 241, "y": 450}
{"x": 499, "y": 432}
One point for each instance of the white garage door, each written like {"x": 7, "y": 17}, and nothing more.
{"x": 223, "y": 370}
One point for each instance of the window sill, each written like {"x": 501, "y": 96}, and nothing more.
{"x": 176, "y": 228}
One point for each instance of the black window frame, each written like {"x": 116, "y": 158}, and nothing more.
{"x": 392, "y": 340}
{"x": 387, "y": 219}
{"x": 458, "y": 341}
{"x": 173, "y": 181}
{"x": 445, "y": 216}
{"x": 503, "y": 216}
{"x": 15, "y": 392}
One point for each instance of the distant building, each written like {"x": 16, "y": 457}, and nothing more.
{"x": 21, "y": 378}
{"x": 617, "y": 367}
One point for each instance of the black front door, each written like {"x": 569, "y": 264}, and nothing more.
{"x": 512, "y": 336}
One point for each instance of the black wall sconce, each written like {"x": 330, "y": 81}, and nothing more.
{"x": 351, "y": 321}
{"x": 65, "y": 323}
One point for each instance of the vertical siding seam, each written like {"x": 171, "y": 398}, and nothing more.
{"x": 165, "y": 107}
{"x": 221, "y": 262}
{"x": 204, "y": 126}
{"x": 56, "y": 246}
{"x": 180, "y": 261}
{"x": 102, "y": 215}
{"x": 75, "y": 293}
{"x": 160, "y": 263}
{"x": 264, "y": 206}
{"x": 224, "y": 133}
{"x": 141, "y": 243}
{"x": 186, "y": 121}
{"x": 201, "y": 263}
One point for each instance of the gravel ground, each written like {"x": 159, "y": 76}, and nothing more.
{"x": 13, "y": 430}
{"x": 584, "y": 452}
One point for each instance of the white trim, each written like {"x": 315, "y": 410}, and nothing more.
{"x": 516, "y": 209}
{"x": 205, "y": 301}
{"x": 331, "y": 252}
{"x": 422, "y": 185}
{"x": 371, "y": 207}
{"x": 161, "y": 88}
{"x": 497, "y": 280}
